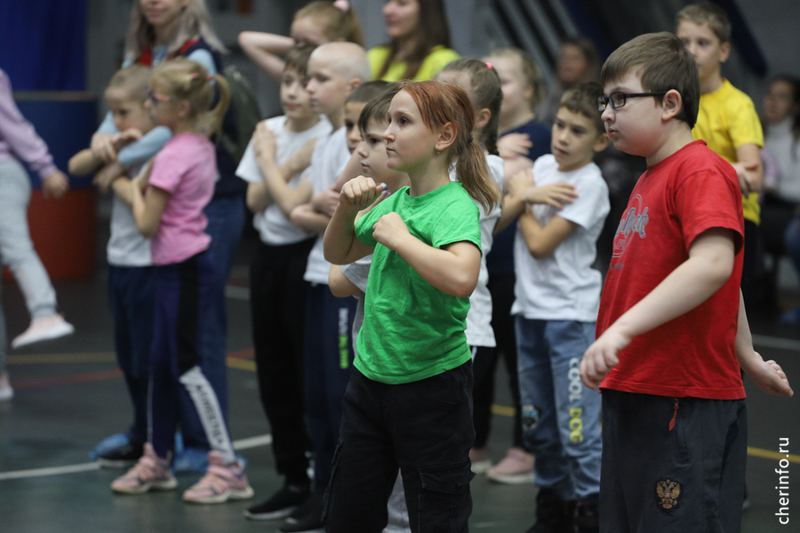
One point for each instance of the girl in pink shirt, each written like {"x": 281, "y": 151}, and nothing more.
{"x": 168, "y": 203}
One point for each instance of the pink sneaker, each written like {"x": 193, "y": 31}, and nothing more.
{"x": 516, "y": 468}
{"x": 43, "y": 329}
{"x": 221, "y": 483}
{"x": 150, "y": 473}
{"x": 480, "y": 459}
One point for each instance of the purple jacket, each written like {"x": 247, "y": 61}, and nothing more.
{"x": 17, "y": 136}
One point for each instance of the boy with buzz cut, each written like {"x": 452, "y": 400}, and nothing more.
{"x": 672, "y": 330}
{"x": 557, "y": 296}
{"x": 335, "y": 70}
{"x": 271, "y": 165}
{"x": 727, "y": 119}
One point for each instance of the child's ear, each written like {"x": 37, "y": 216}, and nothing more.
{"x": 184, "y": 108}
{"x": 671, "y": 104}
{"x": 447, "y": 136}
{"x": 724, "y": 51}
{"x": 482, "y": 118}
{"x": 355, "y": 82}
{"x": 600, "y": 143}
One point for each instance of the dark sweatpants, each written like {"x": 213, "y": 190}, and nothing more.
{"x": 278, "y": 306}
{"x": 689, "y": 478}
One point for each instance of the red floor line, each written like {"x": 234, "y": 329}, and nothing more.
{"x": 67, "y": 380}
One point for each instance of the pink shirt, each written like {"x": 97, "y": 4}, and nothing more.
{"x": 186, "y": 168}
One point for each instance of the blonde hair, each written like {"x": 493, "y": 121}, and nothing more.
{"x": 194, "y": 21}
{"x": 531, "y": 73}
{"x": 184, "y": 79}
{"x": 710, "y": 14}
{"x": 135, "y": 80}
{"x": 440, "y": 103}
{"x": 337, "y": 23}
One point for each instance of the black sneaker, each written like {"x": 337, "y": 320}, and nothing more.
{"x": 553, "y": 515}
{"x": 280, "y": 505}
{"x": 307, "y": 518}
{"x": 123, "y": 456}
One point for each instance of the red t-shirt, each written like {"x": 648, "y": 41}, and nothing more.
{"x": 689, "y": 192}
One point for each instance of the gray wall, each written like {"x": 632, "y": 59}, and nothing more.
{"x": 774, "y": 23}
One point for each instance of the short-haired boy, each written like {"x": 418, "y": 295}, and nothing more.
{"x": 672, "y": 331}
{"x": 271, "y": 165}
{"x": 727, "y": 119}
{"x": 131, "y": 286}
{"x": 334, "y": 70}
{"x": 557, "y": 296}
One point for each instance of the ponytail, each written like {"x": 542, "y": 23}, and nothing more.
{"x": 187, "y": 80}
{"x": 474, "y": 175}
{"x": 217, "y": 114}
{"x": 484, "y": 92}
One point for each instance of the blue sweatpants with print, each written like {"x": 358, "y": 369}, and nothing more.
{"x": 328, "y": 357}
{"x": 560, "y": 416}
{"x": 183, "y": 293}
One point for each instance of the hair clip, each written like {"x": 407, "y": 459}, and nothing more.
{"x": 343, "y": 5}
{"x": 488, "y": 64}
{"x": 192, "y": 75}
{"x": 209, "y": 78}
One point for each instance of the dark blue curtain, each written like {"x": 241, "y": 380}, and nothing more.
{"x": 43, "y": 44}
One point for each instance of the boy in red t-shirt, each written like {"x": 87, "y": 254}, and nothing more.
{"x": 672, "y": 331}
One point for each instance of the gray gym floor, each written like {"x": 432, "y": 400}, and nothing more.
{"x": 70, "y": 395}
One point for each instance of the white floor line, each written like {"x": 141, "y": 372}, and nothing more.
{"x": 54, "y": 471}
{"x": 241, "y": 444}
{"x": 776, "y": 342}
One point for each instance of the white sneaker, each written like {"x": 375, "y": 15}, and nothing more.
{"x": 43, "y": 329}
{"x": 6, "y": 392}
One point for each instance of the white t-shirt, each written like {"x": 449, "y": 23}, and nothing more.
{"x": 358, "y": 273}
{"x": 273, "y": 226}
{"x": 479, "y": 318}
{"x": 327, "y": 163}
{"x": 127, "y": 247}
{"x": 563, "y": 286}
{"x": 781, "y": 144}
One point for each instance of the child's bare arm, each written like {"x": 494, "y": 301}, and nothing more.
{"x": 122, "y": 188}
{"x": 263, "y": 48}
{"x": 274, "y": 186}
{"x": 749, "y": 169}
{"x": 340, "y": 286}
{"x": 306, "y": 218}
{"x": 768, "y": 375}
{"x": 513, "y": 198}
{"x": 543, "y": 241}
{"x": 453, "y": 269}
{"x": 107, "y": 175}
{"x": 84, "y": 163}
{"x": 340, "y": 243}
{"x": 709, "y": 266}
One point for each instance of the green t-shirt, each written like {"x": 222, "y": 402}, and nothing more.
{"x": 433, "y": 63}
{"x": 412, "y": 330}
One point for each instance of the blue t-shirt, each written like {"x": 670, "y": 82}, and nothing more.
{"x": 501, "y": 259}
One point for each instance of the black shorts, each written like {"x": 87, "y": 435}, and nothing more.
{"x": 672, "y": 464}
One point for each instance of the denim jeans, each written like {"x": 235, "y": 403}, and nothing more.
{"x": 560, "y": 416}
{"x": 424, "y": 428}
{"x": 225, "y": 223}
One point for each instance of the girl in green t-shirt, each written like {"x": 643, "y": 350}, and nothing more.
{"x": 408, "y": 403}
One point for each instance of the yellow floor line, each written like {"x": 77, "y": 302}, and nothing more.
{"x": 247, "y": 364}
{"x": 504, "y": 410}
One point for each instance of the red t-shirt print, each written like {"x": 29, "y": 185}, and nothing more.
{"x": 689, "y": 192}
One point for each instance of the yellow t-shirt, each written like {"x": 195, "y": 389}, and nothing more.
{"x": 436, "y": 60}
{"x": 727, "y": 120}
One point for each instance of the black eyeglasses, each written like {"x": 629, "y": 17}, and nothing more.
{"x": 617, "y": 99}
